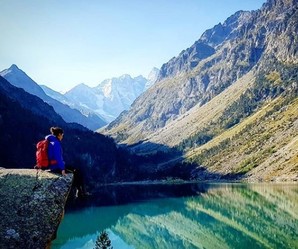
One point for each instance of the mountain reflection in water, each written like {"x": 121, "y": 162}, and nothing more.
{"x": 186, "y": 216}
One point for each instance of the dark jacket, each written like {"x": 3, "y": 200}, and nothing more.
{"x": 55, "y": 153}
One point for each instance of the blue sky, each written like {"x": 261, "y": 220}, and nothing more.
{"x": 65, "y": 43}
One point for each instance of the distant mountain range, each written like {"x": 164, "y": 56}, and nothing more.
{"x": 111, "y": 96}
{"x": 218, "y": 101}
{"x": 20, "y": 79}
{"x": 97, "y": 105}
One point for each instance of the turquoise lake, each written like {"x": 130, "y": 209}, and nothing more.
{"x": 202, "y": 215}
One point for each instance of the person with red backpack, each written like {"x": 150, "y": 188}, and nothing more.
{"x": 52, "y": 157}
{"x": 55, "y": 150}
{"x": 49, "y": 156}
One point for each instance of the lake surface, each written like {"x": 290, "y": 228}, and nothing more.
{"x": 185, "y": 216}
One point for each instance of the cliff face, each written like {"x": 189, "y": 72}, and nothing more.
{"x": 31, "y": 206}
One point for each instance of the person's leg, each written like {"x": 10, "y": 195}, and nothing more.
{"x": 78, "y": 181}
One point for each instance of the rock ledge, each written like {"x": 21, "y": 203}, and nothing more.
{"x": 31, "y": 207}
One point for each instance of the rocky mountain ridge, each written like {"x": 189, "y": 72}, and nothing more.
{"x": 250, "y": 40}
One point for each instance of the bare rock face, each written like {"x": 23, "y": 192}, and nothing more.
{"x": 31, "y": 206}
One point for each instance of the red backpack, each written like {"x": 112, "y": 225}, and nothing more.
{"x": 42, "y": 159}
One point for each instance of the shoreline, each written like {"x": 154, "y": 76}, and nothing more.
{"x": 179, "y": 181}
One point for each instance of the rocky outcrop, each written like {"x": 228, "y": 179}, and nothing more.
{"x": 32, "y": 206}
{"x": 187, "y": 60}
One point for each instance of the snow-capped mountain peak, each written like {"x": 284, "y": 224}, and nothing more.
{"x": 12, "y": 68}
{"x": 110, "y": 97}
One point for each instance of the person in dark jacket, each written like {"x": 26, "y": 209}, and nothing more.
{"x": 55, "y": 152}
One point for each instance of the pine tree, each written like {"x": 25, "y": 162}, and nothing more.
{"x": 103, "y": 241}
